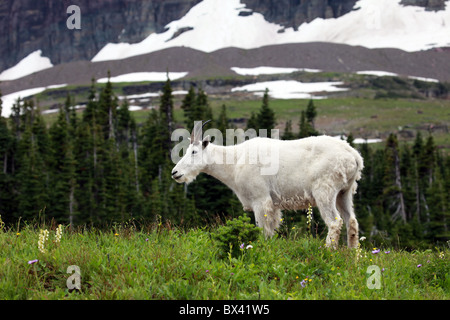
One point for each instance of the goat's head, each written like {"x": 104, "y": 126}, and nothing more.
{"x": 196, "y": 157}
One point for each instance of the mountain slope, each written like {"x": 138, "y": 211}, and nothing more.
{"x": 214, "y": 24}
{"x": 116, "y": 29}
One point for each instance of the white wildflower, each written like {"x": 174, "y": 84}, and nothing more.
{"x": 43, "y": 236}
{"x": 309, "y": 217}
{"x": 58, "y": 233}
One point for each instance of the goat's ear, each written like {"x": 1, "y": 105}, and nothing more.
{"x": 206, "y": 141}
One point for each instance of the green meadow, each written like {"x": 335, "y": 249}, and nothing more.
{"x": 163, "y": 262}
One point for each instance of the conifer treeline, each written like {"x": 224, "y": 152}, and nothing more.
{"x": 103, "y": 167}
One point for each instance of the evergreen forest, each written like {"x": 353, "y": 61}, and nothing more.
{"x": 98, "y": 167}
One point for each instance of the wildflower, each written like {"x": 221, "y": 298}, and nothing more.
{"x": 116, "y": 234}
{"x": 441, "y": 255}
{"x": 146, "y": 239}
{"x": 265, "y": 215}
{"x": 293, "y": 228}
{"x": 375, "y": 251}
{"x": 359, "y": 252}
{"x": 43, "y": 236}
{"x": 382, "y": 270}
{"x": 296, "y": 277}
{"x": 241, "y": 246}
{"x": 303, "y": 283}
{"x": 58, "y": 233}
{"x": 387, "y": 252}
{"x": 207, "y": 271}
{"x": 309, "y": 216}
{"x": 18, "y": 234}
{"x": 33, "y": 261}
{"x": 249, "y": 247}
{"x": 419, "y": 265}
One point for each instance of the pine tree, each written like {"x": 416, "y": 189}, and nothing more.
{"x": 311, "y": 113}
{"x": 266, "y": 116}
{"x": 288, "y": 134}
{"x": 393, "y": 190}
{"x": 188, "y": 104}
{"x": 107, "y": 108}
{"x": 166, "y": 116}
{"x": 307, "y": 119}
{"x": 351, "y": 139}
{"x": 32, "y": 171}
{"x": 303, "y": 126}
{"x": 89, "y": 154}
{"x": 196, "y": 108}
{"x": 62, "y": 171}
{"x": 205, "y": 111}
{"x": 252, "y": 122}
{"x": 222, "y": 120}
{"x": 7, "y": 199}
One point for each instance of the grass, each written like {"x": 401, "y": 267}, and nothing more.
{"x": 168, "y": 263}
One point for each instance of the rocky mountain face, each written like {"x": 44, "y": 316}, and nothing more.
{"x": 29, "y": 25}
{"x": 433, "y": 5}
{"x": 292, "y": 13}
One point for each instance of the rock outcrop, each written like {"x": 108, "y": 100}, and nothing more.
{"x": 29, "y": 25}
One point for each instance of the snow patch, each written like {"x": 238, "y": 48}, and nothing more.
{"x": 34, "y": 62}
{"x": 9, "y": 99}
{"x": 57, "y": 86}
{"x": 377, "y": 73}
{"x": 144, "y": 76}
{"x": 268, "y": 70}
{"x": 291, "y": 89}
{"x": 359, "y": 140}
{"x": 424, "y": 79}
{"x": 216, "y": 24}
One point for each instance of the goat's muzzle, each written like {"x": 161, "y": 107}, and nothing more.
{"x": 176, "y": 177}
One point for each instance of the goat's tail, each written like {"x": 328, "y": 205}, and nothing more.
{"x": 358, "y": 172}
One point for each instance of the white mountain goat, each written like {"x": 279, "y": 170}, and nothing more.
{"x": 321, "y": 171}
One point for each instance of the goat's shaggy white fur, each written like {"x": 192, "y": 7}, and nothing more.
{"x": 321, "y": 171}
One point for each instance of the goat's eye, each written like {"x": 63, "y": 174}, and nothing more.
{"x": 194, "y": 152}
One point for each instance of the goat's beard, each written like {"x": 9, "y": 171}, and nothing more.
{"x": 188, "y": 177}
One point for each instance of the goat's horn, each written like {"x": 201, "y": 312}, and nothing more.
{"x": 205, "y": 122}
{"x": 197, "y": 130}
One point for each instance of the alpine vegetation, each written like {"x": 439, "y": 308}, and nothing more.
{"x": 318, "y": 171}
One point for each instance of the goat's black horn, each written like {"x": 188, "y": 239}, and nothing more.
{"x": 206, "y": 122}
{"x": 196, "y": 131}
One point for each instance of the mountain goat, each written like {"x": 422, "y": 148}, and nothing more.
{"x": 321, "y": 171}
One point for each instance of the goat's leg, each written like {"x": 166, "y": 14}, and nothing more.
{"x": 267, "y": 217}
{"x": 344, "y": 203}
{"x": 331, "y": 217}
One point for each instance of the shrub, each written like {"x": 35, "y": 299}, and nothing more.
{"x": 235, "y": 232}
